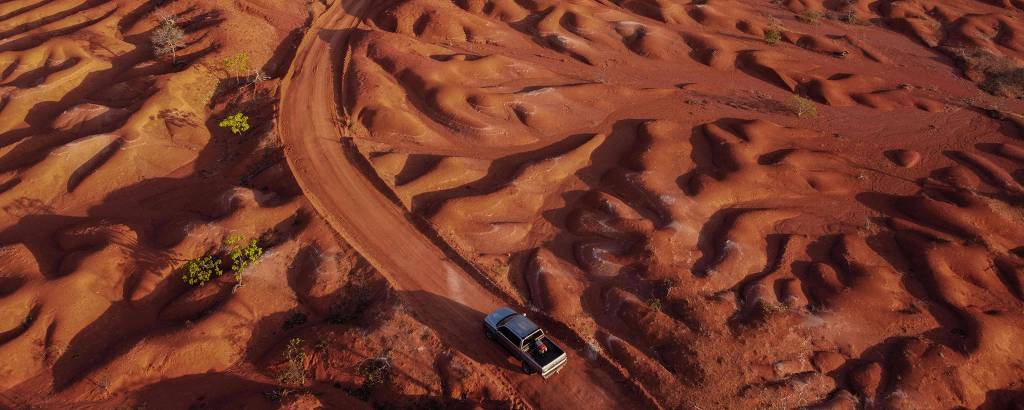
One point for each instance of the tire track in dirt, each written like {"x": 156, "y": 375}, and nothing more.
{"x": 378, "y": 228}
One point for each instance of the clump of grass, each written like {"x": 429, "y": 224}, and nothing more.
{"x": 996, "y": 75}
{"x": 201, "y": 270}
{"x": 655, "y": 303}
{"x": 773, "y": 30}
{"x": 774, "y": 308}
{"x": 802, "y": 107}
{"x": 294, "y": 373}
{"x": 809, "y": 16}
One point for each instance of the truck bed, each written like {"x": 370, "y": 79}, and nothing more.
{"x": 543, "y": 359}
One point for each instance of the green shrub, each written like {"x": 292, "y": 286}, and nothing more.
{"x": 202, "y": 270}
{"x": 238, "y": 123}
{"x": 772, "y": 37}
{"x": 237, "y": 64}
{"x": 244, "y": 252}
{"x": 802, "y": 107}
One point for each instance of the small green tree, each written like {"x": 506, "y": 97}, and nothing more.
{"x": 202, "y": 270}
{"x": 772, "y": 36}
{"x": 238, "y": 123}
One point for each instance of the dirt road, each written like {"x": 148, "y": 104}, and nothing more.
{"x": 441, "y": 294}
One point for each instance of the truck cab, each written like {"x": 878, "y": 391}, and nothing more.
{"x": 525, "y": 340}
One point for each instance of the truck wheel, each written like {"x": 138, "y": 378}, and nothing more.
{"x": 527, "y": 369}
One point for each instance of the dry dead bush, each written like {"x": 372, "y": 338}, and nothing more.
{"x": 995, "y": 74}
{"x": 802, "y": 107}
{"x": 294, "y": 372}
{"x": 167, "y": 38}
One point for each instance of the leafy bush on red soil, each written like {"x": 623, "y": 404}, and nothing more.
{"x": 244, "y": 253}
{"x": 238, "y": 123}
{"x": 201, "y": 270}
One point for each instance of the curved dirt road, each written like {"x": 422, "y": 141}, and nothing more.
{"x": 440, "y": 293}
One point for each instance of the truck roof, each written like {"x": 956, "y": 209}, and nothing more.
{"x": 520, "y": 325}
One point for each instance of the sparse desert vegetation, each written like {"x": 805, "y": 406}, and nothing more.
{"x": 995, "y": 74}
{"x": 294, "y": 371}
{"x": 716, "y": 204}
{"x": 810, "y": 16}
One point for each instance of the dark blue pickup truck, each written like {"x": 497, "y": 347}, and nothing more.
{"x": 525, "y": 340}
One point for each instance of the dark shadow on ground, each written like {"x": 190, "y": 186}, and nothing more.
{"x": 459, "y": 326}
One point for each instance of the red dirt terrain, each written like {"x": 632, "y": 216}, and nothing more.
{"x": 711, "y": 204}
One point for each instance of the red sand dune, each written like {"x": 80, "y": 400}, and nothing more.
{"x": 638, "y": 175}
